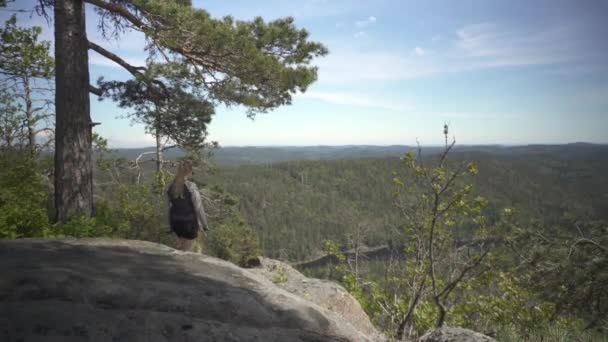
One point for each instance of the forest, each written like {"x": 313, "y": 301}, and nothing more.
{"x": 301, "y": 203}
{"x": 510, "y": 241}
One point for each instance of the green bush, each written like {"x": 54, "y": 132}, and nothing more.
{"x": 24, "y": 196}
{"x": 230, "y": 238}
{"x": 79, "y": 227}
{"x": 135, "y": 211}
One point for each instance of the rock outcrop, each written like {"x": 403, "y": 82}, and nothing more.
{"x": 449, "y": 334}
{"x": 118, "y": 290}
{"x": 326, "y": 294}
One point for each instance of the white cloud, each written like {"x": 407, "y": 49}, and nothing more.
{"x": 366, "y": 22}
{"x": 475, "y": 47}
{"x": 360, "y": 34}
{"x": 135, "y": 140}
{"x": 418, "y": 51}
{"x": 354, "y": 99}
{"x": 496, "y": 46}
{"x": 348, "y": 66}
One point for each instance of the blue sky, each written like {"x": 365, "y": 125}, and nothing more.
{"x": 506, "y": 72}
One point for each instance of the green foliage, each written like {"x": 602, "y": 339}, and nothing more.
{"x": 129, "y": 206}
{"x": 551, "y": 332}
{"x": 510, "y": 299}
{"x": 135, "y": 211}
{"x": 229, "y": 237}
{"x": 24, "y": 196}
{"x": 568, "y": 267}
{"x": 381, "y": 293}
{"x": 438, "y": 205}
{"x": 11, "y": 120}
{"x": 261, "y": 63}
{"x": 21, "y": 52}
{"x": 280, "y": 277}
{"x": 25, "y": 63}
{"x": 171, "y": 112}
{"x": 133, "y": 205}
{"x": 206, "y": 62}
{"x": 79, "y": 227}
{"x": 499, "y": 299}
{"x": 295, "y": 206}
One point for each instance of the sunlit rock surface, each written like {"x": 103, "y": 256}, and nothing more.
{"x": 118, "y": 290}
{"x": 449, "y": 334}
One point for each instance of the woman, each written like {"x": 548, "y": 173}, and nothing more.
{"x": 186, "y": 213}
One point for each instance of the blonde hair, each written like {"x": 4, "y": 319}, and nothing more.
{"x": 177, "y": 188}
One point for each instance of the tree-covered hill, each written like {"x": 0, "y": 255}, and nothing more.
{"x": 296, "y": 205}
{"x": 233, "y": 155}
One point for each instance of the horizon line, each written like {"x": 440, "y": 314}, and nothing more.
{"x": 387, "y": 145}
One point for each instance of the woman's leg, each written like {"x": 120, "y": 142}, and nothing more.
{"x": 183, "y": 244}
{"x": 179, "y": 243}
{"x": 187, "y": 245}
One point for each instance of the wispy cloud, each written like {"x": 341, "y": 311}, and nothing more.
{"x": 348, "y": 66}
{"x": 355, "y": 99}
{"x": 418, "y": 51}
{"x": 498, "y": 46}
{"x": 475, "y": 47}
{"x": 360, "y": 34}
{"x": 366, "y": 22}
{"x": 137, "y": 140}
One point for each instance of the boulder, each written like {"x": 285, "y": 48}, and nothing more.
{"x": 326, "y": 294}
{"x": 450, "y": 334}
{"x": 119, "y": 290}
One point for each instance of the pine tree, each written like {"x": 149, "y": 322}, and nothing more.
{"x": 257, "y": 64}
{"x": 175, "y": 115}
{"x": 25, "y": 71}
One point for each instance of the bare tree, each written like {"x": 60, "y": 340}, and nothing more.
{"x": 433, "y": 203}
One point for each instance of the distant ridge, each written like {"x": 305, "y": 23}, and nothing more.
{"x": 273, "y": 154}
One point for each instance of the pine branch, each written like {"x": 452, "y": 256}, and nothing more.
{"x": 119, "y": 10}
{"x": 134, "y": 70}
{"x": 95, "y": 90}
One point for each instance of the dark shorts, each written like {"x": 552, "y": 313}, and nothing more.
{"x": 185, "y": 229}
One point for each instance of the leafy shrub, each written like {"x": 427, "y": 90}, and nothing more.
{"x": 230, "y": 238}
{"x": 79, "y": 227}
{"x": 135, "y": 211}
{"x": 24, "y": 196}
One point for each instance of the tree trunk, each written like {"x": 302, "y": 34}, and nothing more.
{"x": 442, "y": 313}
{"x": 159, "y": 154}
{"x": 410, "y": 312}
{"x": 73, "y": 165}
{"x": 29, "y": 115}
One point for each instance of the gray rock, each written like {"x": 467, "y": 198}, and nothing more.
{"x": 449, "y": 334}
{"x": 326, "y": 294}
{"x": 118, "y": 290}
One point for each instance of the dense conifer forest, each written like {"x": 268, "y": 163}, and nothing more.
{"x": 296, "y": 205}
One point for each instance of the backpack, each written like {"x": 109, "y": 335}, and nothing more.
{"x": 181, "y": 207}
